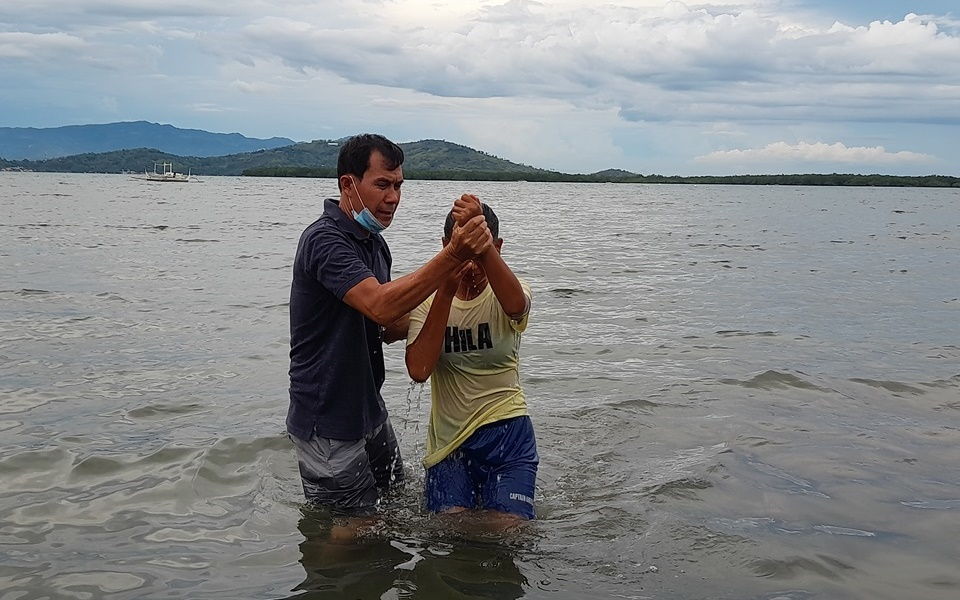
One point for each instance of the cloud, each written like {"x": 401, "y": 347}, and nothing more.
{"x": 817, "y": 152}
{"x": 52, "y": 11}
{"x": 253, "y": 87}
{"x": 650, "y": 60}
{"x": 654, "y": 63}
{"x": 37, "y": 46}
{"x": 209, "y": 107}
{"x": 630, "y": 80}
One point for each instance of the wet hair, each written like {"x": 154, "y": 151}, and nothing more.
{"x": 354, "y": 158}
{"x": 493, "y": 223}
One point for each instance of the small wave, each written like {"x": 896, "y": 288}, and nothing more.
{"x": 569, "y": 292}
{"x": 32, "y": 292}
{"x": 799, "y": 484}
{"x": 755, "y": 441}
{"x": 747, "y": 246}
{"x": 196, "y": 240}
{"x": 771, "y": 380}
{"x": 101, "y": 468}
{"x": 749, "y": 525}
{"x": 685, "y": 488}
{"x": 233, "y": 463}
{"x": 953, "y": 504}
{"x": 891, "y": 386}
{"x": 533, "y": 379}
{"x": 641, "y": 405}
{"x": 164, "y": 410}
{"x": 799, "y": 566}
{"x": 78, "y": 585}
{"x": 835, "y": 530}
{"x": 25, "y": 400}
{"x": 739, "y": 333}
{"x": 944, "y": 383}
{"x": 111, "y": 296}
{"x": 5, "y": 425}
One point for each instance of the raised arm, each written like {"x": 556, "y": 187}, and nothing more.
{"x": 505, "y": 285}
{"x": 423, "y": 353}
{"x": 385, "y": 303}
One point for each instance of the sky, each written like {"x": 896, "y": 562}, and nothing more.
{"x": 764, "y": 86}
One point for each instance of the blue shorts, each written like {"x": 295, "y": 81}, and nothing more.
{"x": 496, "y": 469}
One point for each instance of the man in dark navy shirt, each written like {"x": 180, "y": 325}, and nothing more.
{"x": 343, "y": 306}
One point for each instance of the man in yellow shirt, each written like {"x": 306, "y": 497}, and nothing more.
{"x": 481, "y": 449}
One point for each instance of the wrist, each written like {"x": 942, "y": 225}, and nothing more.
{"x": 488, "y": 253}
{"x": 452, "y": 255}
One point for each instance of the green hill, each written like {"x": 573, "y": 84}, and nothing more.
{"x": 319, "y": 158}
{"x": 439, "y": 155}
{"x": 614, "y": 174}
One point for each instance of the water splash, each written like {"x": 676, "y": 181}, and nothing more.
{"x": 416, "y": 416}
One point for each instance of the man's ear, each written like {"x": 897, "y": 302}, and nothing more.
{"x": 499, "y": 244}
{"x": 445, "y": 241}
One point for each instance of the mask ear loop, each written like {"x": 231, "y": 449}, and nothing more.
{"x": 356, "y": 189}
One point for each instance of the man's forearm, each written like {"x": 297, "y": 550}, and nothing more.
{"x": 387, "y": 302}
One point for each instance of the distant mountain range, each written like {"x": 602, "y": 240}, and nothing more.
{"x": 204, "y": 153}
{"x": 319, "y": 156}
{"x": 29, "y": 143}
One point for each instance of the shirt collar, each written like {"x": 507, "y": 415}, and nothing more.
{"x": 331, "y": 209}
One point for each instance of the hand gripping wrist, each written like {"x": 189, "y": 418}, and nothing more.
{"x": 453, "y": 254}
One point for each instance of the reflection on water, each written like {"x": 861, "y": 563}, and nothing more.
{"x": 738, "y": 392}
{"x": 379, "y": 561}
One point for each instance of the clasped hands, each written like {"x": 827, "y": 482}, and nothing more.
{"x": 471, "y": 237}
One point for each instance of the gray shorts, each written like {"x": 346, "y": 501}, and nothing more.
{"x": 348, "y": 475}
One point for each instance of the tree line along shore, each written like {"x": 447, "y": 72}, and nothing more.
{"x": 426, "y": 159}
{"x": 810, "y": 179}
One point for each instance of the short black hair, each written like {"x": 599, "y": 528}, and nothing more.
{"x": 493, "y": 223}
{"x": 354, "y": 158}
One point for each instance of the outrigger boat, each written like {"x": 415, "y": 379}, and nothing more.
{"x": 165, "y": 174}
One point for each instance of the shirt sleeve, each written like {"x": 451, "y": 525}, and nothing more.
{"x": 521, "y": 325}
{"x": 336, "y": 263}
{"x": 417, "y": 318}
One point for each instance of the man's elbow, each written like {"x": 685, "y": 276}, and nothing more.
{"x": 369, "y": 299}
{"x": 384, "y": 315}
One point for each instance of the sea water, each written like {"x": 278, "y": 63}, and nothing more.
{"x": 738, "y": 392}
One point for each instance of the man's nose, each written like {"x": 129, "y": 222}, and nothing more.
{"x": 393, "y": 196}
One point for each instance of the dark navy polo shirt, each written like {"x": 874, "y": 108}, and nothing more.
{"x": 336, "y": 353}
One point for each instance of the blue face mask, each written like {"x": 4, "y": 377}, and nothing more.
{"x": 365, "y": 218}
